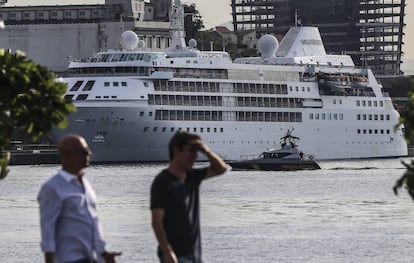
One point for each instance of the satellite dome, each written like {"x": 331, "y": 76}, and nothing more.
{"x": 177, "y": 2}
{"x": 267, "y": 46}
{"x": 129, "y": 40}
{"x": 192, "y": 43}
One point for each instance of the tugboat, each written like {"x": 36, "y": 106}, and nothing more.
{"x": 287, "y": 158}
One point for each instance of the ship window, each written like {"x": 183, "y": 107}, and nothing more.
{"x": 146, "y": 129}
{"x": 215, "y": 129}
{"x": 172, "y": 129}
{"x": 308, "y": 89}
{"x": 150, "y": 113}
{"x": 106, "y": 84}
{"x": 124, "y": 84}
{"x": 82, "y": 97}
{"x": 376, "y": 117}
{"x": 329, "y": 116}
{"x": 141, "y": 113}
{"x": 311, "y": 116}
{"x": 364, "y": 131}
{"x": 388, "y": 131}
{"x": 164, "y": 129}
{"x": 154, "y": 129}
{"x": 68, "y": 97}
{"x": 359, "y": 131}
{"x": 146, "y": 84}
{"x": 359, "y": 117}
{"x": 208, "y": 129}
{"x": 382, "y": 131}
{"x": 376, "y": 131}
{"x": 369, "y": 103}
{"x": 114, "y": 97}
{"x": 340, "y": 102}
{"x": 358, "y": 103}
{"x": 364, "y": 117}
{"x": 323, "y": 116}
{"x": 335, "y": 116}
{"x": 89, "y": 85}
{"x": 77, "y": 85}
{"x": 382, "y": 117}
{"x": 334, "y": 101}
{"x": 98, "y": 97}
{"x": 364, "y": 103}
{"x": 115, "y": 84}
{"x": 317, "y": 116}
{"x": 221, "y": 130}
{"x": 106, "y": 97}
{"x": 341, "y": 116}
{"x": 388, "y": 117}
{"x": 297, "y": 88}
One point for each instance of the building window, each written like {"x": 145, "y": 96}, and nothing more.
{"x": 106, "y": 84}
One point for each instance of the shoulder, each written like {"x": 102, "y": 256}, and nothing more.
{"x": 51, "y": 186}
{"x": 162, "y": 178}
{"x": 198, "y": 173}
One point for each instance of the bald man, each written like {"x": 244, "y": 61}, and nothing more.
{"x": 68, "y": 217}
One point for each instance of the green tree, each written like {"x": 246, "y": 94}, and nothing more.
{"x": 407, "y": 117}
{"x": 31, "y": 98}
{"x": 193, "y": 22}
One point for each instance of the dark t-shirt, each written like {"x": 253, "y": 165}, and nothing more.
{"x": 180, "y": 202}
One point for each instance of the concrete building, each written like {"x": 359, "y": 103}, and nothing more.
{"x": 371, "y": 31}
{"x": 51, "y": 35}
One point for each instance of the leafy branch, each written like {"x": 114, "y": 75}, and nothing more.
{"x": 31, "y": 98}
{"x": 407, "y": 117}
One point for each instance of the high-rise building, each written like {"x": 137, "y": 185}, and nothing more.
{"x": 371, "y": 31}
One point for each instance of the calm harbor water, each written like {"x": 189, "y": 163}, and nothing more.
{"x": 345, "y": 212}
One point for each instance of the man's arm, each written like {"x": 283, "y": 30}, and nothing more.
{"x": 158, "y": 227}
{"x": 217, "y": 165}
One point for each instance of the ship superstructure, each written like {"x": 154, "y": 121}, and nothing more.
{"x": 131, "y": 102}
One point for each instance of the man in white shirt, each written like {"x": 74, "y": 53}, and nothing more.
{"x": 68, "y": 219}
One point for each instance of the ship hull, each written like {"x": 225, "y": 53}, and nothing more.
{"x": 130, "y": 134}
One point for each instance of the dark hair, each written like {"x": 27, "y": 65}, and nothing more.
{"x": 180, "y": 139}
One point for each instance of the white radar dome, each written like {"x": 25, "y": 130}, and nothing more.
{"x": 177, "y": 2}
{"x": 192, "y": 43}
{"x": 267, "y": 46}
{"x": 129, "y": 40}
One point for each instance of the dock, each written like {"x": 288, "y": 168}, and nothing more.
{"x": 32, "y": 154}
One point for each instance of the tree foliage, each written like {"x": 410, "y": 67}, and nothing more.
{"x": 407, "y": 117}
{"x": 31, "y": 98}
{"x": 193, "y": 22}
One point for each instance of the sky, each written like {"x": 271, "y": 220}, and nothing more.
{"x": 216, "y": 12}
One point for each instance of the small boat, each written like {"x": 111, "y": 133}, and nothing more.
{"x": 287, "y": 158}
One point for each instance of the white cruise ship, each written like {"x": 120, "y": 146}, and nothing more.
{"x": 131, "y": 102}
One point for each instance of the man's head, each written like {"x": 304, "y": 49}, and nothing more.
{"x": 74, "y": 153}
{"x": 183, "y": 146}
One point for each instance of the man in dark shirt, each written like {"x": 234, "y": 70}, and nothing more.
{"x": 175, "y": 199}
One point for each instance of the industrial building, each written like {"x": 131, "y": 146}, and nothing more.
{"x": 53, "y": 35}
{"x": 371, "y": 31}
